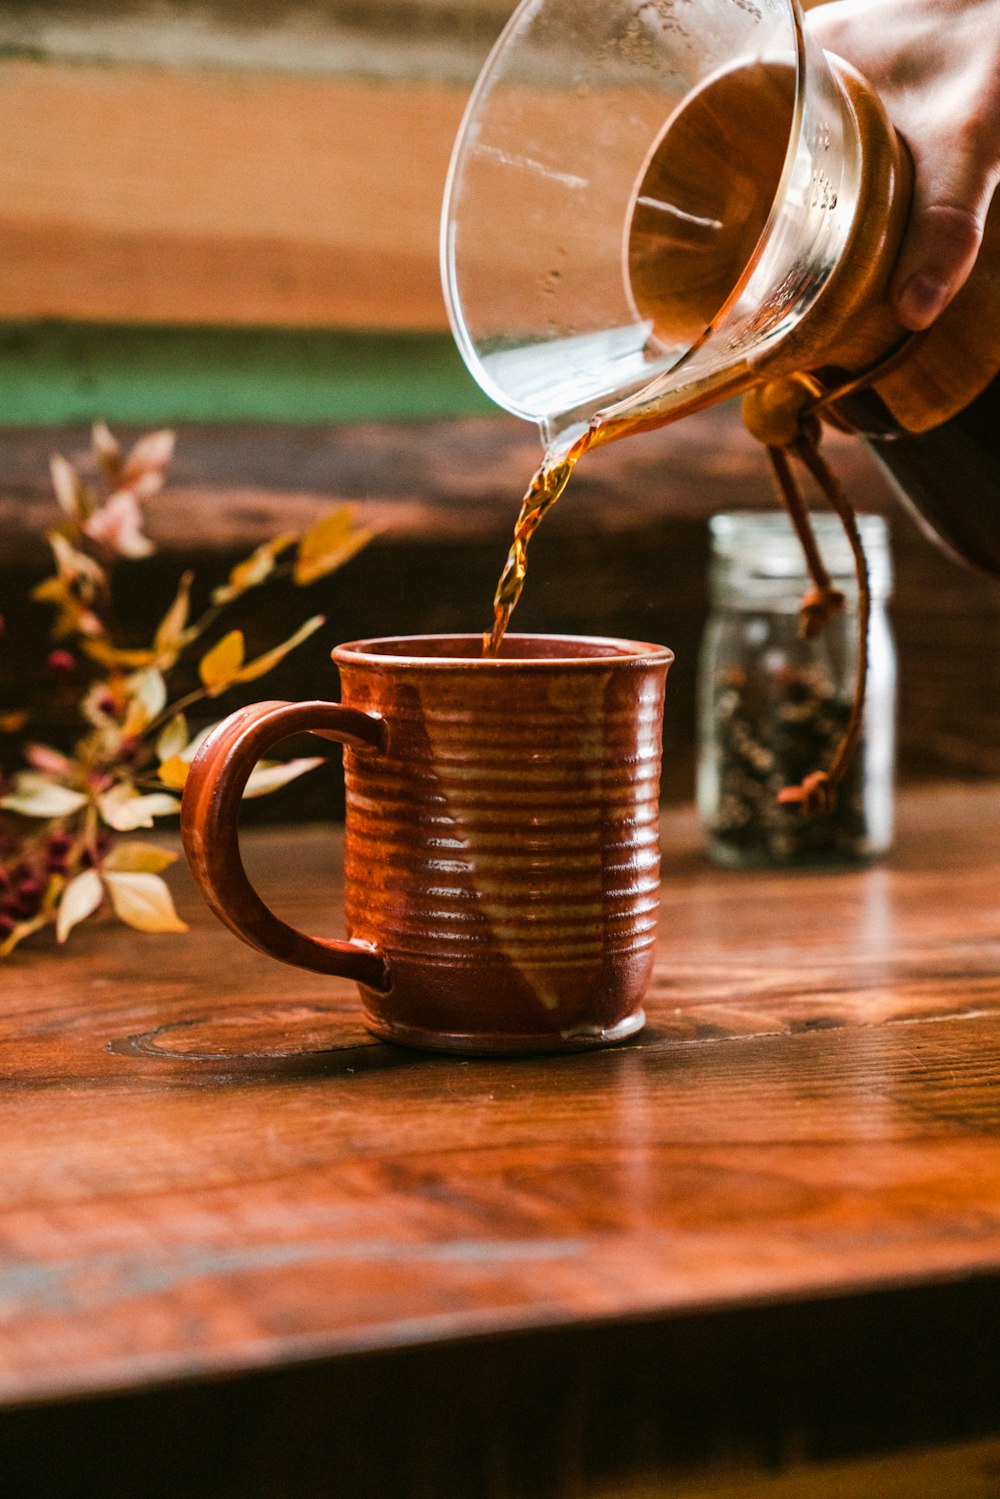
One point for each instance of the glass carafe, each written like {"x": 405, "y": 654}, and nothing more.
{"x": 656, "y": 204}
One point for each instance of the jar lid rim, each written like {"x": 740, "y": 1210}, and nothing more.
{"x": 732, "y": 525}
{"x": 762, "y": 547}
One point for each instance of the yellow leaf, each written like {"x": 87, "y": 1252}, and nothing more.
{"x": 110, "y": 656}
{"x": 14, "y": 721}
{"x": 137, "y": 858}
{"x": 173, "y": 737}
{"x": 147, "y": 696}
{"x": 74, "y": 617}
{"x": 35, "y": 796}
{"x": 220, "y": 666}
{"x": 328, "y": 544}
{"x": 170, "y": 633}
{"x": 269, "y": 775}
{"x": 174, "y": 773}
{"x": 258, "y": 566}
{"x": 262, "y": 664}
{"x": 143, "y": 901}
{"x": 124, "y": 809}
{"x": 51, "y": 591}
{"x": 80, "y": 899}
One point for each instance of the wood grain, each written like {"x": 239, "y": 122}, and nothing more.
{"x": 209, "y": 1166}
{"x": 156, "y": 195}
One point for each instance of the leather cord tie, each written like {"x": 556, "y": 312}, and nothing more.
{"x": 782, "y": 414}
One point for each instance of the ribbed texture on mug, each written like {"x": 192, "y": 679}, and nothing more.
{"x": 519, "y": 824}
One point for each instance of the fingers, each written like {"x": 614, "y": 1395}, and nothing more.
{"x": 939, "y": 251}
{"x": 954, "y": 140}
{"x": 936, "y": 66}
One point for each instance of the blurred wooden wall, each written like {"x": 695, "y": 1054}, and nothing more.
{"x": 255, "y": 164}
{"x": 226, "y": 218}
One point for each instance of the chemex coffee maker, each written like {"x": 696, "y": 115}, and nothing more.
{"x": 656, "y": 205}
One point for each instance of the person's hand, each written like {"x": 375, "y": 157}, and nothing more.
{"x": 935, "y": 64}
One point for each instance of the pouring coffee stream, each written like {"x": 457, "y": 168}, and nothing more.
{"x": 745, "y": 252}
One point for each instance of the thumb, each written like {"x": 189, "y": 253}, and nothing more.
{"x": 941, "y": 244}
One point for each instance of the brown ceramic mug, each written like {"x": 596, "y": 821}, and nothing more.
{"x": 501, "y": 855}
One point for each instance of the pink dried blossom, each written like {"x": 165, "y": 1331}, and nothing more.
{"x": 117, "y": 525}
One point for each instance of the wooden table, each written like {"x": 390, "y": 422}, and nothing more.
{"x": 244, "y": 1247}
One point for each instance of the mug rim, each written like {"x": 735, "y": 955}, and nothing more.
{"x": 608, "y": 650}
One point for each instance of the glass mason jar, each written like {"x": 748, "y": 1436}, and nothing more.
{"x": 772, "y": 706}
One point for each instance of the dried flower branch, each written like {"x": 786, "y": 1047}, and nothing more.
{"x": 60, "y": 813}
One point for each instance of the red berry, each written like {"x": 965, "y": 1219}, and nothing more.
{"x": 27, "y": 899}
{"x": 61, "y": 663}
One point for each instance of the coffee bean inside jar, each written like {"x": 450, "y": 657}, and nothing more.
{"x": 774, "y": 705}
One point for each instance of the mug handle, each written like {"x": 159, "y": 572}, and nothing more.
{"x": 210, "y": 832}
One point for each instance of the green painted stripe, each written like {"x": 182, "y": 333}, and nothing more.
{"x": 443, "y": 40}
{"x": 70, "y": 372}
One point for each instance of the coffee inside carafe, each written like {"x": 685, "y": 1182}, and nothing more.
{"x": 700, "y": 212}
{"x": 704, "y": 199}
